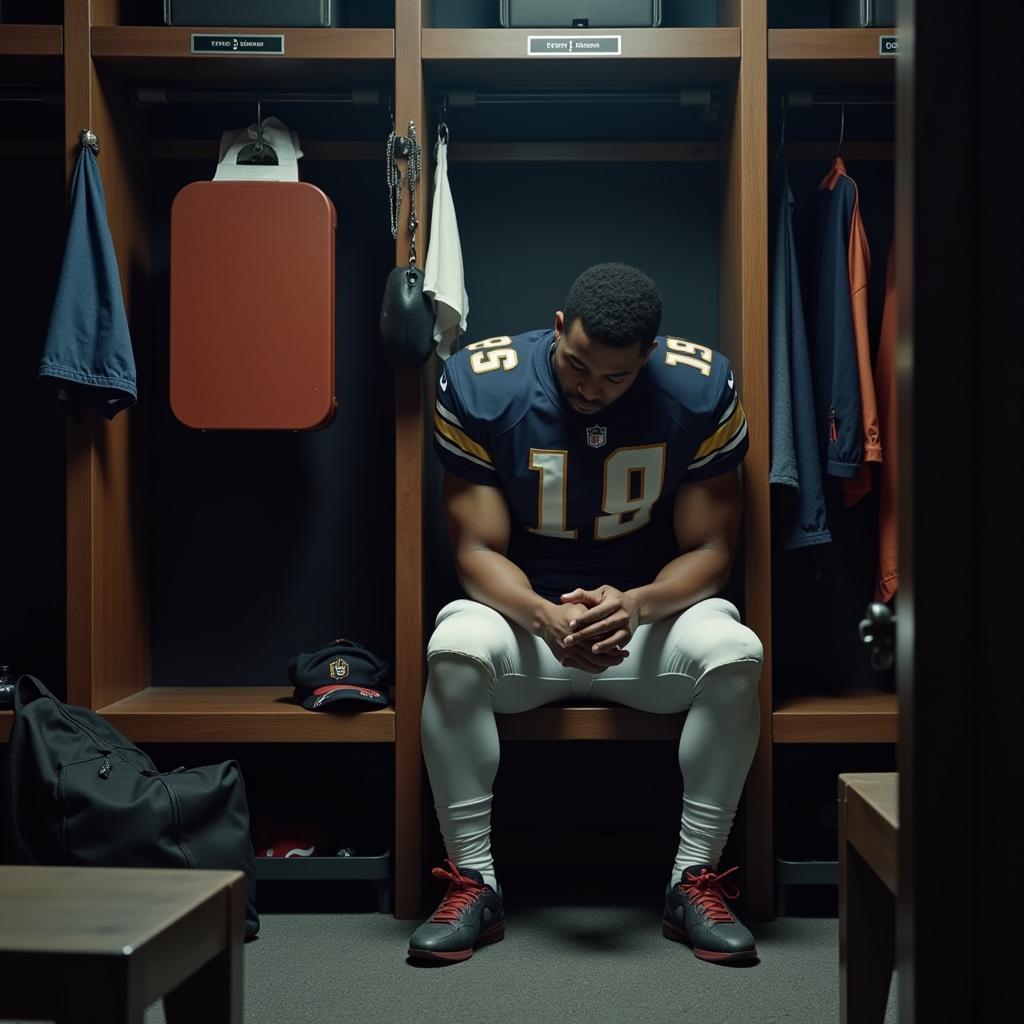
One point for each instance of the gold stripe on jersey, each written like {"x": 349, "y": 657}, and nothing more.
{"x": 447, "y": 414}
{"x": 462, "y": 440}
{"x": 449, "y": 447}
{"x": 730, "y": 429}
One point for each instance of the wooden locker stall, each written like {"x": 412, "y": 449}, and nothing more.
{"x": 121, "y": 617}
{"x": 837, "y": 86}
{"x": 521, "y": 146}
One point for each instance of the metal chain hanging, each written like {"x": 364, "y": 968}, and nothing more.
{"x": 393, "y": 174}
{"x": 412, "y": 175}
{"x": 405, "y": 147}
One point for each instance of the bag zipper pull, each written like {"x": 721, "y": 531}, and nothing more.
{"x": 105, "y": 767}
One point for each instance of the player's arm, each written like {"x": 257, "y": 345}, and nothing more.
{"x": 706, "y": 518}
{"x": 479, "y": 527}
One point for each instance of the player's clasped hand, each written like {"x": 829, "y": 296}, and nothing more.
{"x": 607, "y": 624}
{"x": 555, "y": 627}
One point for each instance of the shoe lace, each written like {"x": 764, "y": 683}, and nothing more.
{"x": 462, "y": 891}
{"x": 707, "y": 892}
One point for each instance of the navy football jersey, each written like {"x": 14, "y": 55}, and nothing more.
{"x": 590, "y": 495}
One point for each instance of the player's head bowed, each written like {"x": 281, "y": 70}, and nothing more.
{"x": 616, "y": 304}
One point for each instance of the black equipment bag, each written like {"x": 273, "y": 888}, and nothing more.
{"x": 406, "y": 318}
{"x": 82, "y": 794}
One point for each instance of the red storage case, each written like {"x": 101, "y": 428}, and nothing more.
{"x": 252, "y": 305}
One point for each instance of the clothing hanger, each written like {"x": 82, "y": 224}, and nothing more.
{"x": 442, "y": 125}
{"x": 842, "y": 129}
{"x": 258, "y": 152}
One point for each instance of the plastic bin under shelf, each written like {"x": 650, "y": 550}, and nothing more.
{"x": 801, "y": 872}
{"x": 375, "y": 868}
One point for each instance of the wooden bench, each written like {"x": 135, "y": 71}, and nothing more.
{"x": 99, "y": 945}
{"x": 869, "y": 828}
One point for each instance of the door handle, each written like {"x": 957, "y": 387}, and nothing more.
{"x": 878, "y": 631}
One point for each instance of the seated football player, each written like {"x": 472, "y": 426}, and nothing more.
{"x": 593, "y": 498}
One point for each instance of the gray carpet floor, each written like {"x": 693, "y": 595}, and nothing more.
{"x": 570, "y": 965}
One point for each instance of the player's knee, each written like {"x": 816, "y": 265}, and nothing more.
{"x": 466, "y": 652}
{"x": 455, "y": 681}
{"x": 722, "y": 641}
{"x": 732, "y": 682}
{"x": 470, "y": 631}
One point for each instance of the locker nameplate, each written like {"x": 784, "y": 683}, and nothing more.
{"x": 888, "y": 46}
{"x": 203, "y": 42}
{"x": 574, "y": 46}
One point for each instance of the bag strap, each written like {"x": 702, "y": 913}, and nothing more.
{"x": 28, "y": 689}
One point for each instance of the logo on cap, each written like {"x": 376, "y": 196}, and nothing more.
{"x": 597, "y": 437}
{"x": 338, "y": 668}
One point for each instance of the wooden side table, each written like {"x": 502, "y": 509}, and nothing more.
{"x": 99, "y": 945}
{"x": 869, "y": 827}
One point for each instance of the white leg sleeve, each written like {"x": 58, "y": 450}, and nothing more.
{"x": 705, "y": 662}
{"x": 478, "y": 662}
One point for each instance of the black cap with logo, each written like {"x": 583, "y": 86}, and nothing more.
{"x": 343, "y": 676}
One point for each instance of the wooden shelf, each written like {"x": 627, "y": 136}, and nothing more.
{"x": 588, "y": 722}
{"x": 239, "y": 714}
{"x": 492, "y": 57}
{"x": 826, "y": 44}
{"x": 31, "y": 41}
{"x": 830, "y": 58}
{"x": 324, "y": 57}
{"x": 855, "y": 718}
{"x": 30, "y": 55}
{"x": 260, "y": 714}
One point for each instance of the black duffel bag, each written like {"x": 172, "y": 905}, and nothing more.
{"x": 82, "y": 794}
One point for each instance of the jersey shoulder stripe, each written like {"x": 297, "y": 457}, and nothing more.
{"x": 729, "y": 445}
{"x": 700, "y": 386}
{"x": 449, "y": 427}
{"x": 731, "y": 430}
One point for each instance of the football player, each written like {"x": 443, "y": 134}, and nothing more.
{"x": 592, "y": 495}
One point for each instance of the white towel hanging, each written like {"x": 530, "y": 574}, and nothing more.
{"x": 444, "y": 281}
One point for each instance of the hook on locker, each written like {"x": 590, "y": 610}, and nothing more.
{"x": 258, "y": 152}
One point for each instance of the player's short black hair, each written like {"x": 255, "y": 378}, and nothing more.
{"x": 617, "y": 305}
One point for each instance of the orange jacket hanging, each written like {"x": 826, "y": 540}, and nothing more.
{"x": 858, "y": 259}
{"x": 888, "y": 534}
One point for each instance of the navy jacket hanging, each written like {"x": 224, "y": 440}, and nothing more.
{"x": 88, "y": 351}
{"x": 798, "y": 496}
{"x": 836, "y": 374}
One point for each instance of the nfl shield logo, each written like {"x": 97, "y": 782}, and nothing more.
{"x": 597, "y": 437}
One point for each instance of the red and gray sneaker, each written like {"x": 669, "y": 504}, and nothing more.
{"x": 470, "y": 915}
{"x": 696, "y": 913}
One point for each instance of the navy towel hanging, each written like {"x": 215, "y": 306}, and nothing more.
{"x": 88, "y": 351}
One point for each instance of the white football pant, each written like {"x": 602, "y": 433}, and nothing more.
{"x": 703, "y": 661}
